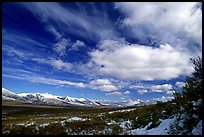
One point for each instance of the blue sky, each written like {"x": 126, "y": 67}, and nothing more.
{"x": 100, "y": 51}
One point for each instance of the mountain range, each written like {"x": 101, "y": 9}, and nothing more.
{"x": 49, "y": 99}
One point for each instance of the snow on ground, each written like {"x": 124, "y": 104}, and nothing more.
{"x": 111, "y": 122}
{"x": 197, "y": 103}
{"x": 162, "y": 129}
{"x": 124, "y": 110}
{"x": 7, "y": 98}
{"x": 125, "y": 124}
{"x": 77, "y": 118}
{"x": 73, "y": 119}
{"x": 197, "y": 129}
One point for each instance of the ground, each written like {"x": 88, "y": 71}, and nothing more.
{"x": 156, "y": 119}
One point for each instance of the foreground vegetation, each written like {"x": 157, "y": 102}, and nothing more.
{"x": 19, "y": 119}
{"x": 44, "y": 120}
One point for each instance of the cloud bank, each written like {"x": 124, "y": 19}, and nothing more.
{"x": 139, "y": 62}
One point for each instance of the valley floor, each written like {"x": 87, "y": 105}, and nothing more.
{"x": 157, "y": 119}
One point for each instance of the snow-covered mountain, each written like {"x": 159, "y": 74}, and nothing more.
{"x": 47, "y": 99}
{"x": 8, "y": 95}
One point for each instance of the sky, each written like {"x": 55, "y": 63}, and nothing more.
{"x": 100, "y": 51}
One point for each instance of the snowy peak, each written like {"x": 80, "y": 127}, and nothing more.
{"x": 47, "y": 99}
{"x": 8, "y": 95}
{"x": 7, "y": 92}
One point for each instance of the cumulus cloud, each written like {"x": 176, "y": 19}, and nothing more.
{"x": 101, "y": 82}
{"x": 117, "y": 93}
{"x": 165, "y": 88}
{"x": 78, "y": 44}
{"x": 140, "y": 62}
{"x": 163, "y": 21}
{"x": 61, "y": 46}
{"x": 103, "y": 85}
{"x": 126, "y": 92}
{"x": 180, "y": 84}
{"x": 163, "y": 98}
{"x": 161, "y": 87}
{"x": 56, "y": 63}
{"x": 137, "y": 86}
{"x": 170, "y": 92}
{"x": 142, "y": 91}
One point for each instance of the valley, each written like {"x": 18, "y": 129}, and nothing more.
{"x": 155, "y": 119}
{"x": 42, "y": 115}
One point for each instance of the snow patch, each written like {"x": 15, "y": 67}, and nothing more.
{"x": 162, "y": 129}
{"x": 76, "y": 118}
{"x": 197, "y": 130}
{"x": 124, "y": 110}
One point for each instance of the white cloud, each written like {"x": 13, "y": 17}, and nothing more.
{"x": 103, "y": 85}
{"x": 61, "y": 46}
{"x": 140, "y": 62}
{"x": 163, "y": 98}
{"x": 142, "y": 91}
{"x": 56, "y": 63}
{"x": 101, "y": 82}
{"x": 164, "y": 21}
{"x": 170, "y": 92}
{"x": 77, "y": 45}
{"x": 180, "y": 84}
{"x": 126, "y": 92}
{"x": 161, "y": 87}
{"x": 137, "y": 86}
{"x": 57, "y": 82}
{"x": 116, "y": 93}
{"x": 156, "y": 88}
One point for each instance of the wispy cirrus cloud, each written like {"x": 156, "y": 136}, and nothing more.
{"x": 12, "y": 51}
{"x": 35, "y": 78}
{"x": 53, "y": 30}
{"x": 82, "y": 24}
{"x": 22, "y": 40}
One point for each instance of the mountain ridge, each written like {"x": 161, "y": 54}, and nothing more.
{"x": 49, "y": 99}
